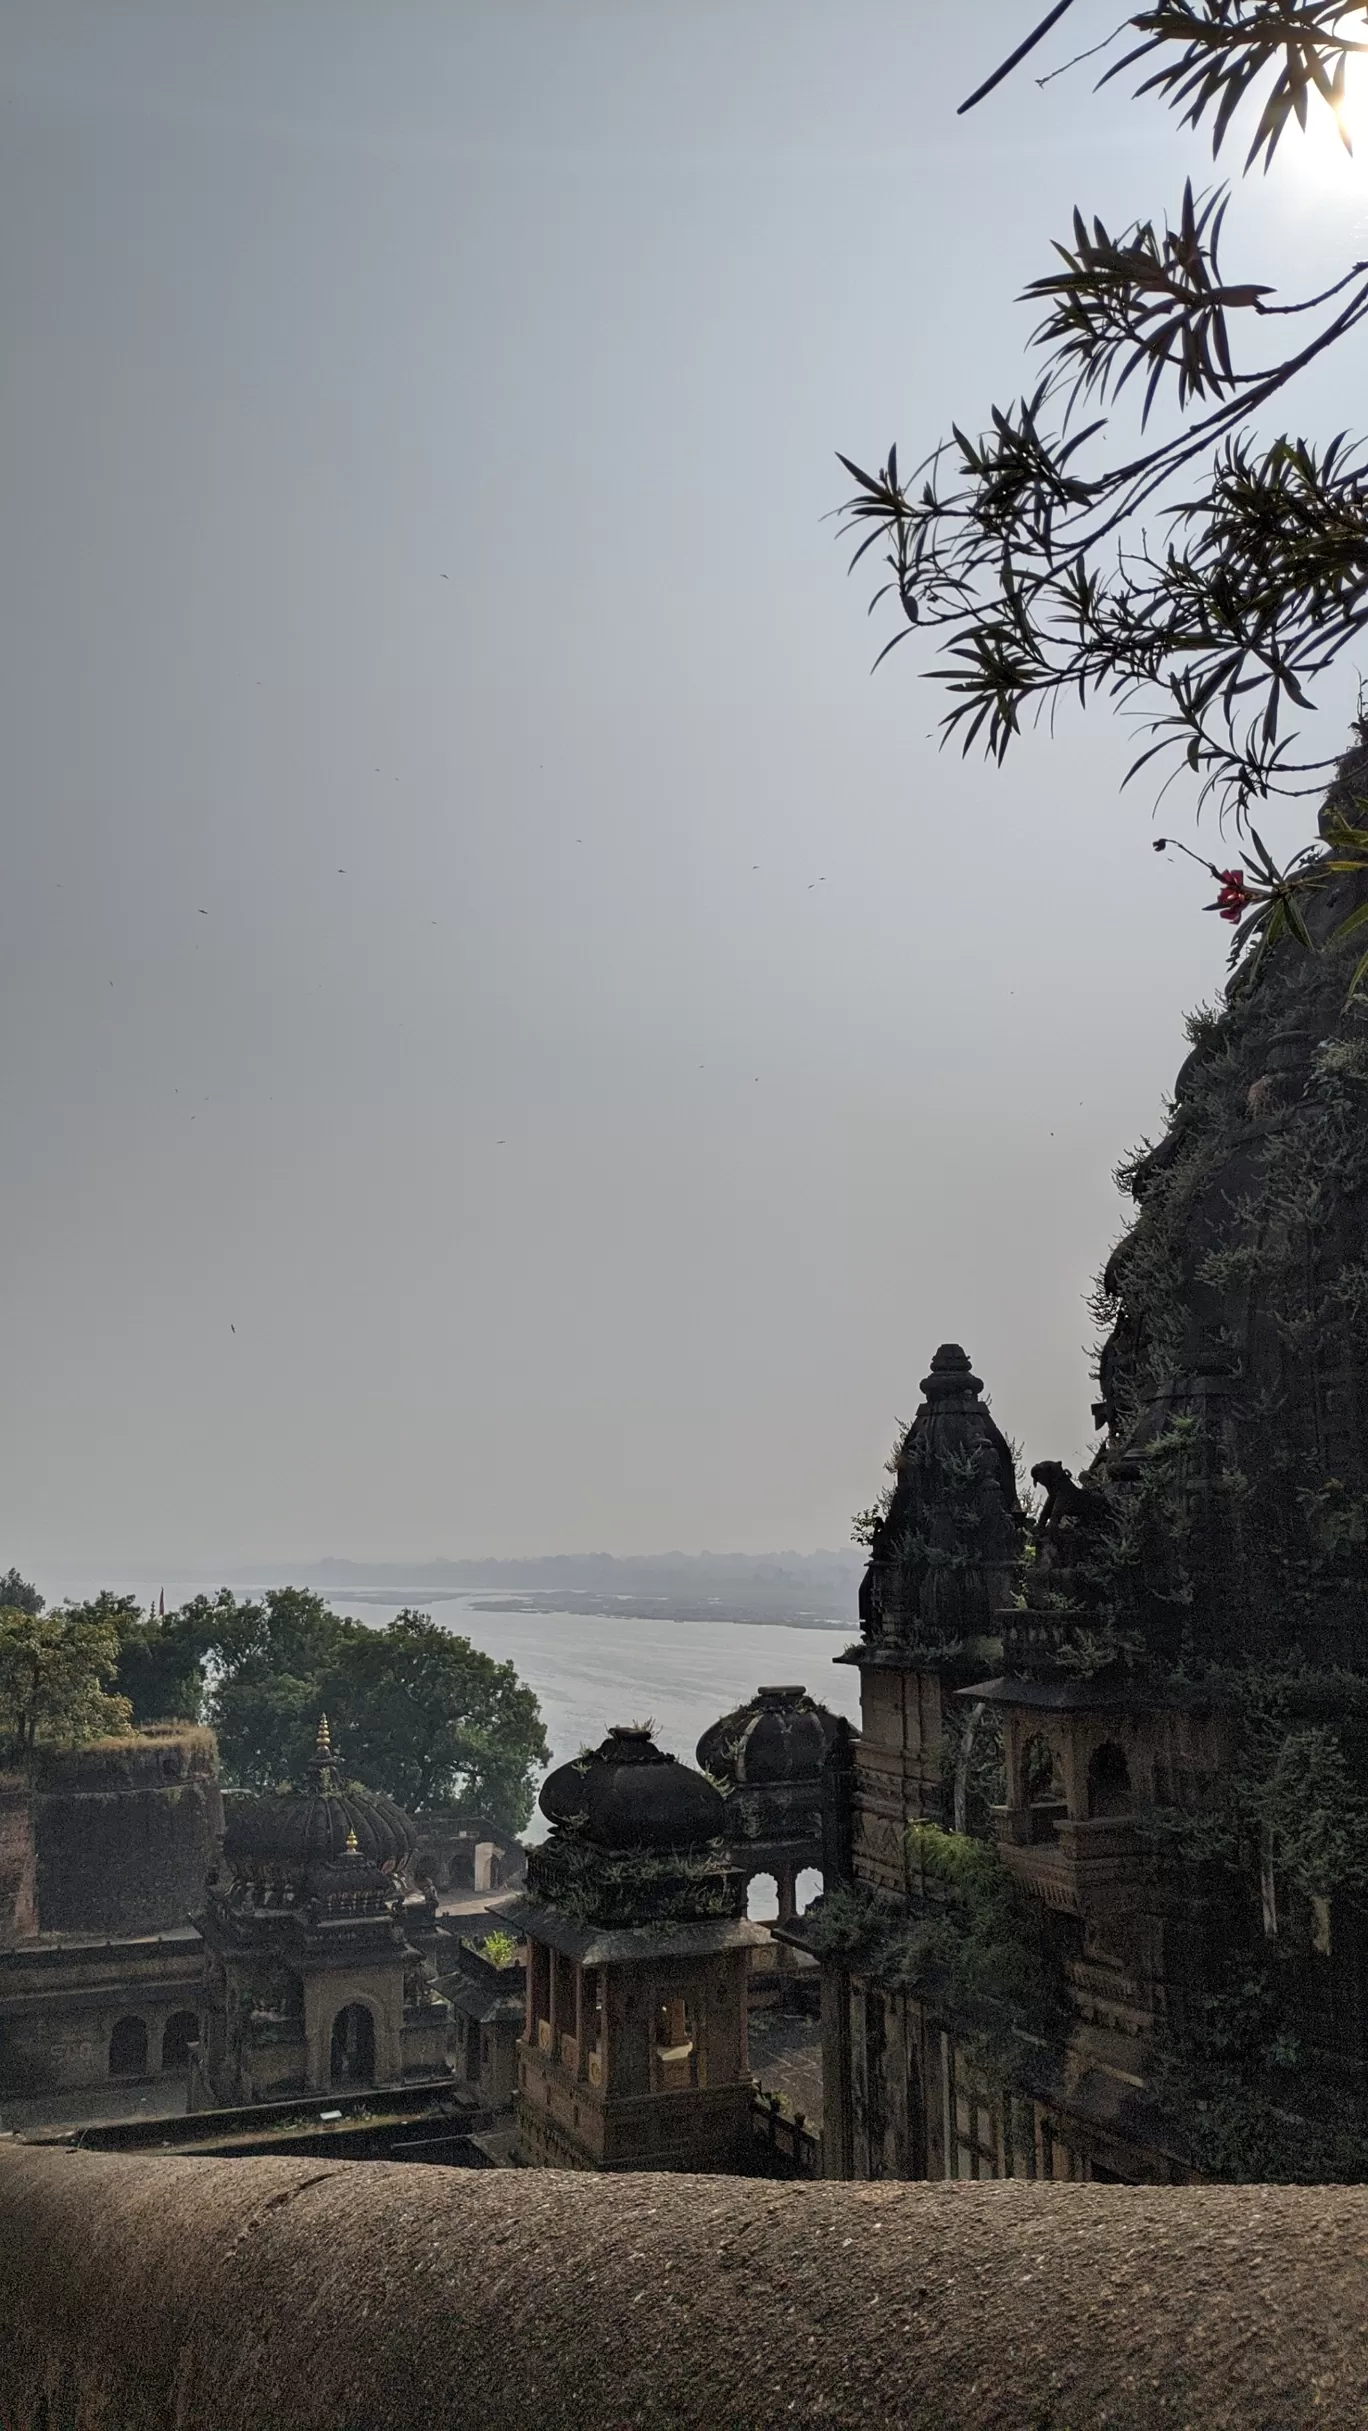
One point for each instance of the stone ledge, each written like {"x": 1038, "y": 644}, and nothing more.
{"x": 228, "y": 2295}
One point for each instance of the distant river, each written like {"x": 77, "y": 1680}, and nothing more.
{"x": 590, "y": 1671}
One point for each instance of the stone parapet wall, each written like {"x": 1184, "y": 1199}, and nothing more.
{"x": 227, "y": 2295}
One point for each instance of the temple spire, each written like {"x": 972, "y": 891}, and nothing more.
{"x": 323, "y": 1763}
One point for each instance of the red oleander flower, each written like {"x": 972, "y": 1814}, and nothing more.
{"x": 1234, "y": 898}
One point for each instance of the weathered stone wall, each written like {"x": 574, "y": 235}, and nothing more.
{"x": 456, "y": 1855}
{"x": 18, "y": 1864}
{"x": 232, "y": 2294}
{"x": 126, "y": 1831}
{"x": 60, "y": 2004}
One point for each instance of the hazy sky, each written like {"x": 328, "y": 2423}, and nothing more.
{"x": 471, "y": 922}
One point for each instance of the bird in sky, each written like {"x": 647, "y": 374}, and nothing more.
{"x": 232, "y": 1329}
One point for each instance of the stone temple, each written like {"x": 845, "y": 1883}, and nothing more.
{"x": 1093, "y": 1924}
{"x": 311, "y": 1983}
{"x": 1143, "y": 1712}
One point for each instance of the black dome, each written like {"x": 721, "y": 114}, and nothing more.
{"x": 782, "y": 1736}
{"x": 304, "y": 1832}
{"x": 296, "y": 1833}
{"x": 629, "y": 1795}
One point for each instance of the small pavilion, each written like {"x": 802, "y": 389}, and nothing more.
{"x": 767, "y": 1760}
{"x": 635, "y": 2051}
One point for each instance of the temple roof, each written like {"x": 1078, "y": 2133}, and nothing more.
{"x": 943, "y": 1553}
{"x": 627, "y": 1794}
{"x": 328, "y": 1829}
{"x": 781, "y": 1737}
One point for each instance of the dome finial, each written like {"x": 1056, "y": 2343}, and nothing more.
{"x": 324, "y": 1739}
{"x": 353, "y": 1846}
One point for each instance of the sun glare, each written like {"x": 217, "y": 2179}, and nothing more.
{"x": 1333, "y": 148}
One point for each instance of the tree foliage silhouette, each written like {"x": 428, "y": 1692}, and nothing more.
{"x": 1207, "y": 577}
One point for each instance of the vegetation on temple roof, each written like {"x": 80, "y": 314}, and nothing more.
{"x": 636, "y": 1839}
{"x": 965, "y": 1940}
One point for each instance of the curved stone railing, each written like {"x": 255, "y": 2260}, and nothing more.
{"x": 259, "y": 2295}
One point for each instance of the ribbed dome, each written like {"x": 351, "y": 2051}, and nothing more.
{"x": 314, "y": 1831}
{"x": 319, "y": 1828}
{"x": 630, "y": 1795}
{"x": 781, "y": 1737}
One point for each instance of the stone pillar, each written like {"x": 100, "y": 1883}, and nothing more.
{"x": 837, "y": 2153}
{"x": 530, "y": 1994}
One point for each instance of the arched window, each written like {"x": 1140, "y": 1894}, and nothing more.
{"x": 762, "y": 1899}
{"x": 128, "y": 2048}
{"x": 353, "y": 2046}
{"x": 1041, "y": 1789}
{"x": 808, "y": 1888}
{"x": 675, "y": 2054}
{"x": 1109, "y": 1783}
{"x": 179, "y": 2032}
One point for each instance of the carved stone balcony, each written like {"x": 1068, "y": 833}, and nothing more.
{"x": 1082, "y": 1861}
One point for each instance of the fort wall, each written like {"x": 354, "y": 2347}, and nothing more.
{"x": 18, "y": 1863}
{"x": 223, "y": 2295}
{"x": 126, "y": 1830}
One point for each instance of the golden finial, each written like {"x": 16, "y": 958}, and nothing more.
{"x": 353, "y": 1849}
{"x": 324, "y": 1742}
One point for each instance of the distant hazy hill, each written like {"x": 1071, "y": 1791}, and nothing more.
{"x": 740, "y": 1586}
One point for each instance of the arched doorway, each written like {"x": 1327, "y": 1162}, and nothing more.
{"x": 353, "y": 2046}
{"x": 1109, "y": 1782}
{"x": 179, "y": 2032}
{"x": 128, "y": 2048}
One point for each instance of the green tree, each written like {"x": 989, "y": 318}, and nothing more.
{"x": 18, "y": 1594}
{"x": 163, "y": 1658}
{"x": 1208, "y": 577}
{"x": 415, "y": 1711}
{"x": 54, "y": 1667}
{"x": 268, "y": 1664}
{"x": 423, "y": 1714}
